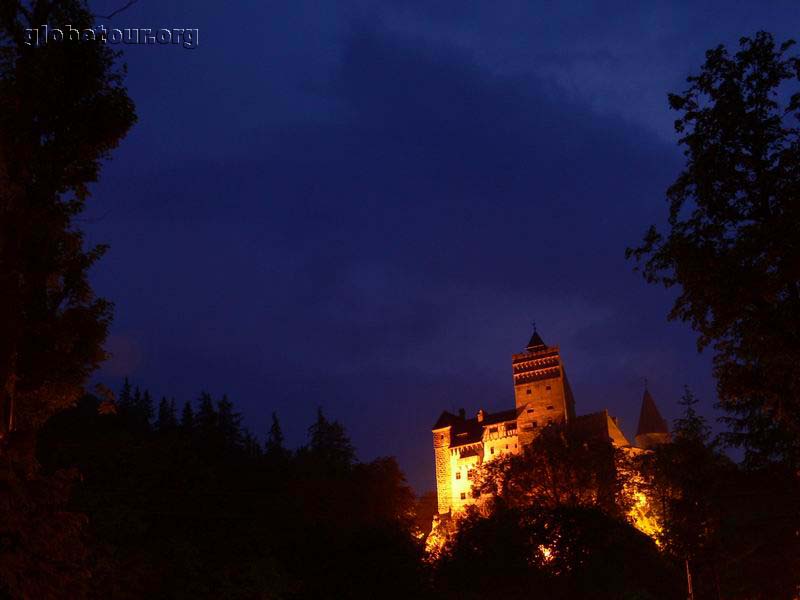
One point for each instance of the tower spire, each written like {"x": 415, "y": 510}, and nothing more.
{"x": 653, "y": 428}
{"x": 536, "y": 342}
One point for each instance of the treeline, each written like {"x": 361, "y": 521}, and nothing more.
{"x": 140, "y": 499}
{"x": 187, "y": 503}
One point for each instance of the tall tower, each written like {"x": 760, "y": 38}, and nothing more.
{"x": 653, "y": 429}
{"x": 442, "y": 434}
{"x": 541, "y": 388}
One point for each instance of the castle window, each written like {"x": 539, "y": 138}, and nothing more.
{"x": 493, "y": 430}
{"x": 471, "y": 473}
{"x": 530, "y": 411}
{"x": 506, "y": 446}
{"x": 491, "y": 450}
{"x": 463, "y": 495}
{"x": 528, "y": 391}
{"x": 547, "y": 388}
{"x": 550, "y": 407}
{"x": 458, "y": 474}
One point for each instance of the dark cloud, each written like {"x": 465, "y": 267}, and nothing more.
{"x": 371, "y": 224}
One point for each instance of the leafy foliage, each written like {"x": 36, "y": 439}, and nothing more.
{"x": 63, "y": 109}
{"x": 733, "y": 245}
{"x": 561, "y": 552}
{"x": 561, "y": 467}
{"x": 43, "y": 545}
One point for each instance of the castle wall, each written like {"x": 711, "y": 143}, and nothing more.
{"x": 442, "y": 460}
{"x": 461, "y": 483}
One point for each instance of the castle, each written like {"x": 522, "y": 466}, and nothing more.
{"x": 542, "y": 396}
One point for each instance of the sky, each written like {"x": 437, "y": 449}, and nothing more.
{"x": 363, "y": 206}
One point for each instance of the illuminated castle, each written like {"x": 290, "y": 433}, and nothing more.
{"x": 543, "y": 395}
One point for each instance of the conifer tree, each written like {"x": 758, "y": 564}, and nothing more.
{"x": 187, "y": 417}
{"x": 251, "y": 446}
{"x": 145, "y": 409}
{"x": 125, "y": 400}
{"x": 229, "y": 423}
{"x": 206, "y": 419}
{"x": 274, "y": 446}
{"x": 166, "y": 420}
{"x": 329, "y": 443}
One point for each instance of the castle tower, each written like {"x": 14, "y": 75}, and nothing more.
{"x": 541, "y": 388}
{"x": 653, "y": 429}
{"x": 442, "y": 435}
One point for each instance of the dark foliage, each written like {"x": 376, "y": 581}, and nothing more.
{"x": 63, "y": 109}
{"x": 733, "y": 245}
{"x": 561, "y": 467}
{"x": 564, "y": 552}
{"x": 196, "y": 509}
{"x": 737, "y": 527}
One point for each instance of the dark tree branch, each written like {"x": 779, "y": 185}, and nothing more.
{"x": 116, "y": 12}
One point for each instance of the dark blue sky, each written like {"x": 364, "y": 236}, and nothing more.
{"x": 363, "y": 206}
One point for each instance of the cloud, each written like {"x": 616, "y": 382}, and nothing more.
{"x": 384, "y": 257}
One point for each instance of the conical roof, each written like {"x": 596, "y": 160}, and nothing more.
{"x": 536, "y": 341}
{"x": 650, "y": 420}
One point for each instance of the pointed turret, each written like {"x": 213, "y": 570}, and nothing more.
{"x": 536, "y": 342}
{"x": 653, "y": 429}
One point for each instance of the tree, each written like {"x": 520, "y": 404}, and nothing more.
{"x": 63, "y": 109}
{"x": 274, "y": 446}
{"x": 563, "y": 552}
{"x": 329, "y": 443}
{"x": 206, "y": 419}
{"x": 166, "y": 420}
{"x": 561, "y": 467}
{"x": 733, "y": 245}
{"x": 187, "y": 417}
{"x": 688, "y": 478}
{"x": 229, "y": 424}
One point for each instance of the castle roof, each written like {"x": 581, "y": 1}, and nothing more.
{"x": 650, "y": 420}
{"x": 600, "y": 425}
{"x": 536, "y": 342}
{"x": 469, "y": 431}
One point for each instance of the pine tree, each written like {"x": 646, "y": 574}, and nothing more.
{"x": 125, "y": 398}
{"x": 173, "y": 410}
{"x": 206, "y": 418}
{"x": 691, "y": 425}
{"x": 166, "y": 420}
{"x": 229, "y": 424}
{"x": 145, "y": 409}
{"x": 329, "y": 443}
{"x": 274, "y": 445}
{"x": 187, "y": 417}
{"x": 251, "y": 446}
{"x": 136, "y": 401}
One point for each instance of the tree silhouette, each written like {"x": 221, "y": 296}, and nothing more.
{"x": 734, "y": 224}
{"x": 187, "y": 417}
{"x": 166, "y": 420}
{"x": 561, "y": 467}
{"x": 64, "y": 109}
